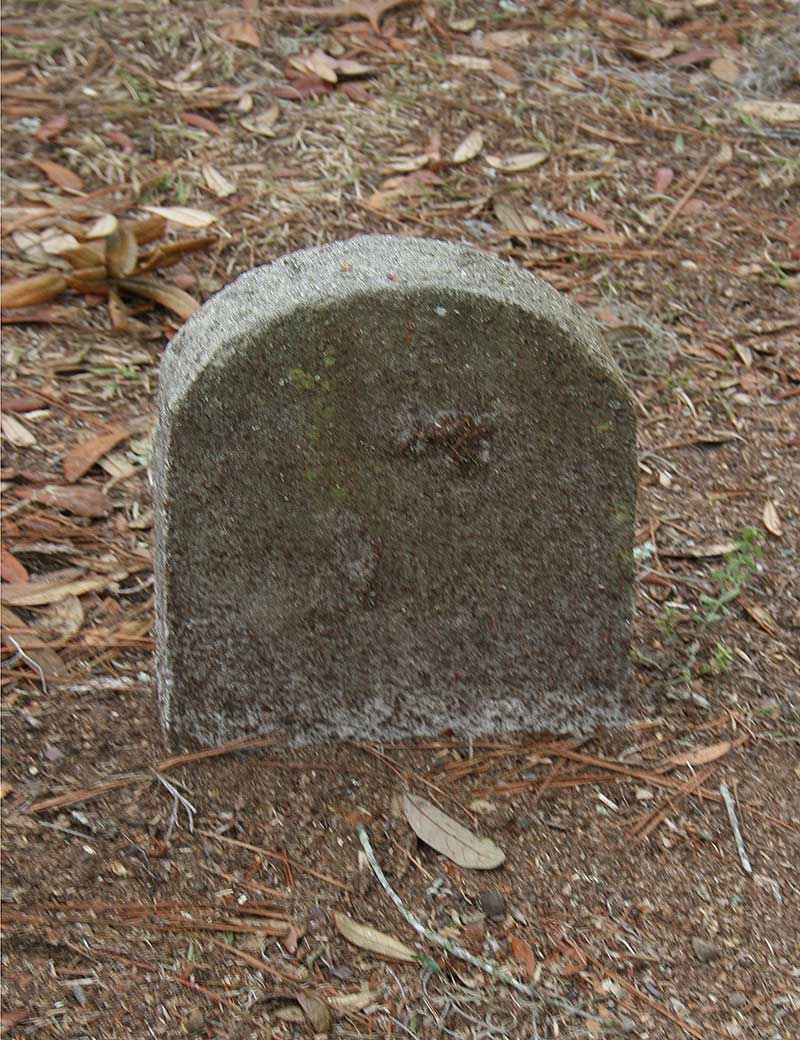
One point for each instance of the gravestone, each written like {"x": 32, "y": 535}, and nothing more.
{"x": 394, "y": 485}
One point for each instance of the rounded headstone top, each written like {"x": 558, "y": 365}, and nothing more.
{"x": 364, "y": 266}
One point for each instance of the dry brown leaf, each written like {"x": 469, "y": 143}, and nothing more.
{"x": 172, "y": 253}
{"x": 523, "y": 954}
{"x": 506, "y": 39}
{"x": 86, "y": 256}
{"x": 724, "y": 70}
{"x": 55, "y": 242}
{"x": 183, "y": 215}
{"x": 11, "y": 569}
{"x": 175, "y": 300}
{"x": 469, "y": 61}
{"x": 122, "y": 251}
{"x": 368, "y": 938}
{"x": 15, "y": 433}
{"x": 103, "y": 226}
{"x": 118, "y": 312}
{"x": 61, "y": 621}
{"x": 148, "y": 229}
{"x": 517, "y": 163}
{"x": 88, "y": 279}
{"x": 762, "y": 618}
{"x": 513, "y": 218}
{"x": 701, "y": 756}
{"x": 348, "y": 1002}
{"x": 372, "y": 10}
{"x": 80, "y": 459}
{"x": 323, "y": 65}
{"x": 40, "y": 593}
{"x": 469, "y": 147}
{"x": 348, "y": 67}
{"x": 82, "y": 501}
{"x": 60, "y": 175}
{"x": 30, "y": 291}
{"x": 316, "y": 1011}
{"x": 664, "y": 177}
{"x": 217, "y": 183}
{"x": 447, "y": 836}
{"x": 772, "y": 521}
{"x": 772, "y": 111}
{"x": 263, "y": 124}
{"x": 241, "y": 32}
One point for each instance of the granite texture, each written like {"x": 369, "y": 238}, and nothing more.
{"x": 395, "y": 489}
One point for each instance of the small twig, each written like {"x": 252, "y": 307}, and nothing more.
{"x": 679, "y": 205}
{"x": 28, "y": 660}
{"x": 730, "y": 805}
{"x": 440, "y": 940}
{"x": 179, "y": 799}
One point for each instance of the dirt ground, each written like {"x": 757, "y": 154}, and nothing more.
{"x": 644, "y": 159}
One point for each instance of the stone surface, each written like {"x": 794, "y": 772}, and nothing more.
{"x": 394, "y": 485}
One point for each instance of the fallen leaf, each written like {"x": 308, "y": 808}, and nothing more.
{"x": 215, "y": 182}
{"x": 517, "y": 163}
{"x": 263, "y": 123}
{"x": 523, "y": 954}
{"x": 762, "y": 618}
{"x": 347, "y": 1002}
{"x": 316, "y": 1011}
{"x": 27, "y": 292}
{"x": 368, "y": 938}
{"x": 447, "y": 836}
{"x": 408, "y": 164}
{"x": 508, "y": 76}
{"x": 40, "y": 593}
{"x": 468, "y": 61}
{"x": 663, "y": 179}
{"x": 148, "y": 229}
{"x": 506, "y": 39}
{"x": 57, "y": 242}
{"x": 513, "y": 218}
{"x": 103, "y": 226}
{"x": 171, "y": 253}
{"x": 84, "y": 256}
{"x": 175, "y": 300}
{"x": 303, "y": 87}
{"x": 122, "y": 251}
{"x": 702, "y": 755}
{"x": 772, "y": 521}
{"x": 323, "y": 65}
{"x": 699, "y": 552}
{"x": 11, "y": 570}
{"x": 62, "y": 621}
{"x": 772, "y": 111}
{"x": 82, "y": 501}
{"x": 356, "y": 92}
{"x": 15, "y": 433}
{"x": 11, "y": 78}
{"x": 724, "y": 70}
{"x": 372, "y": 10}
{"x": 241, "y": 32}
{"x": 52, "y": 128}
{"x": 191, "y": 218}
{"x": 118, "y": 312}
{"x": 80, "y": 459}
{"x": 60, "y": 175}
{"x": 348, "y": 67}
{"x": 590, "y": 219}
{"x": 469, "y": 147}
{"x": 201, "y": 122}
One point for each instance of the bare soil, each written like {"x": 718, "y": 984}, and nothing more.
{"x": 143, "y": 898}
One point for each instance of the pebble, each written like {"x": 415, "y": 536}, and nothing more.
{"x": 704, "y": 950}
{"x": 493, "y": 905}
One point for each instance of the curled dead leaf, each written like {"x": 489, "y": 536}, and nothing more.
{"x": 469, "y": 147}
{"x": 103, "y": 226}
{"x": 449, "y": 837}
{"x": 771, "y": 520}
{"x": 316, "y": 1011}
{"x": 702, "y": 755}
{"x": 11, "y": 569}
{"x": 30, "y": 291}
{"x": 122, "y": 251}
{"x": 148, "y": 229}
{"x": 368, "y": 938}
{"x": 40, "y": 593}
{"x": 517, "y": 163}
{"x": 217, "y": 183}
{"x": 175, "y": 300}
{"x": 241, "y": 32}
{"x": 183, "y": 215}
{"x": 80, "y": 459}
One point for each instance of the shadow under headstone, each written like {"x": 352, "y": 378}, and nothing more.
{"x": 395, "y": 484}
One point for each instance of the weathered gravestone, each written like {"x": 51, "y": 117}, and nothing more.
{"x": 394, "y": 493}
